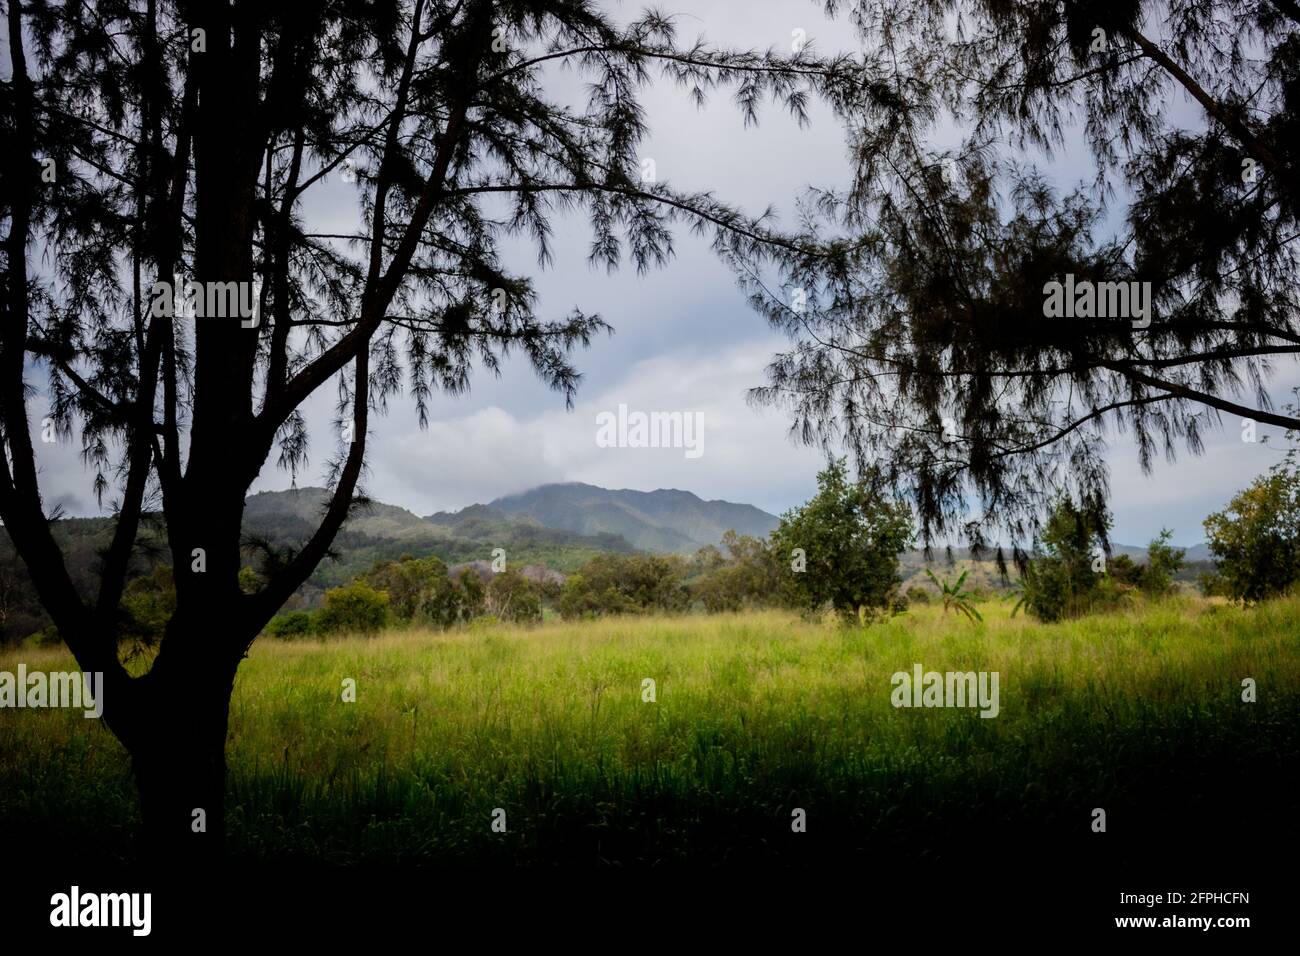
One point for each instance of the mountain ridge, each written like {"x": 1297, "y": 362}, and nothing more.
{"x": 664, "y": 520}
{"x": 287, "y": 518}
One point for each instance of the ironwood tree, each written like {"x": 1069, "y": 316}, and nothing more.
{"x": 148, "y": 142}
{"x": 932, "y": 351}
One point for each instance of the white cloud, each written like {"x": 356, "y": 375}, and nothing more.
{"x": 487, "y": 452}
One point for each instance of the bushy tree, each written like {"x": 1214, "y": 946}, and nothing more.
{"x": 422, "y": 587}
{"x": 1064, "y": 578}
{"x": 1163, "y": 562}
{"x": 406, "y": 581}
{"x": 512, "y": 597}
{"x": 442, "y": 603}
{"x": 1124, "y": 571}
{"x": 1155, "y": 578}
{"x": 747, "y": 575}
{"x": 148, "y": 602}
{"x": 841, "y": 549}
{"x": 578, "y": 599}
{"x": 472, "y": 594}
{"x": 1256, "y": 538}
{"x": 722, "y": 589}
{"x": 290, "y": 625}
{"x": 355, "y": 608}
{"x": 626, "y": 584}
{"x": 918, "y": 595}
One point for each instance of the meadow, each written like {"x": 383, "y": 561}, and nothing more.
{"x": 1139, "y": 712}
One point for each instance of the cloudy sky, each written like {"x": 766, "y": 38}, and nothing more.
{"x": 685, "y": 340}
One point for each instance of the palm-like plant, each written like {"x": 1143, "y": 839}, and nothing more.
{"x": 954, "y": 597}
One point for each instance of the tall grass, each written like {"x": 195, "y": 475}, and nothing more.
{"x": 756, "y": 714}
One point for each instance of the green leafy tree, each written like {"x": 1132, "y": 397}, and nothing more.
{"x": 473, "y": 594}
{"x": 578, "y": 599}
{"x": 419, "y": 586}
{"x": 442, "y": 603}
{"x": 917, "y": 595}
{"x": 626, "y": 584}
{"x": 1256, "y": 538}
{"x": 512, "y": 597}
{"x": 1125, "y": 572}
{"x": 849, "y": 537}
{"x": 290, "y": 625}
{"x": 148, "y": 602}
{"x": 1163, "y": 562}
{"x": 355, "y": 608}
{"x": 405, "y": 581}
{"x": 747, "y": 575}
{"x": 707, "y": 560}
{"x": 1064, "y": 578}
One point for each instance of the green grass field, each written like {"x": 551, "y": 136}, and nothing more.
{"x": 756, "y": 714}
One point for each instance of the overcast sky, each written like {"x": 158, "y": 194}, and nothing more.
{"x": 685, "y": 340}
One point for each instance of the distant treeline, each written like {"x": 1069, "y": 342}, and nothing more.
{"x": 838, "y": 552}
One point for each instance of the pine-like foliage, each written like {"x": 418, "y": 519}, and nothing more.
{"x": 929, "y": 349}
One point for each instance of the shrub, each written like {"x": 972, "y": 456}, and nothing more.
{"x": 290, "y": 625}
{"x": 748, "y": 576}
{"x": 626, "y": 584}
{"x": 147, "y": 604}
{"x": 355, "y": 607}
{"x": 512, "y": 597}
{"x": 918, "y": 595}
{"x": 1065, "y": 578}
{"x": 1163, "y": 562}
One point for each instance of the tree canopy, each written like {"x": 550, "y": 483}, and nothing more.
{"x": 932, "y": 350}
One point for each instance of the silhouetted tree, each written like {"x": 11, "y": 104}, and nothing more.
{"x": 931, "y": 349}
{"x": 147, "y": 139}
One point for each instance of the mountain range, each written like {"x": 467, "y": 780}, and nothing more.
{"x": 569, "y": 515}
{"x": 666, "y": 520}
{"x": 559, "y": 527}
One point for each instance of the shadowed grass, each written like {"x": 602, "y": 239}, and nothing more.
{"x": 756, "y": 714}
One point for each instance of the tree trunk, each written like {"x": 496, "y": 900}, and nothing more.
{"x": 179, "y": 756}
